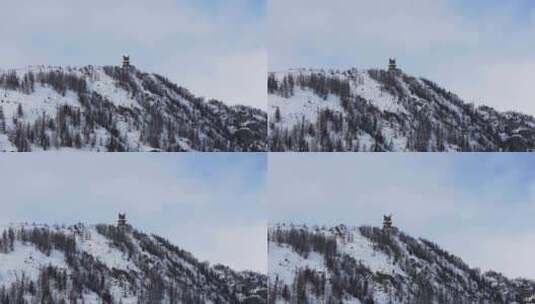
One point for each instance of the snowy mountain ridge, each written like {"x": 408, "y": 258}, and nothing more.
{"x": 380, "y": 110}
{"x": 109, "y": 264}
{"x": 342, "y": 264}
{"x": 114, "y": 108}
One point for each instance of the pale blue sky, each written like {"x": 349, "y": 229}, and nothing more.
{"x": 216, "y": 48}
{"x": 212, "y": 204}
{"x": 482, "y": 50}
{"x": 478, "y": 206}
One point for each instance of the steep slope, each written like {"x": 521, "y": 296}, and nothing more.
{"x": 106, "y": 264}
{"x": 117, "y": 109}
{"x": 378, "y": 110}
{"x": 367, "y": 265}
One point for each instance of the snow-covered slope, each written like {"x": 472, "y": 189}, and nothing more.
{"x": 377, "y": 110}
{"x": 105, "y": 264}
{"x": 117, "y": 109}
{"x": 367, "y": 265}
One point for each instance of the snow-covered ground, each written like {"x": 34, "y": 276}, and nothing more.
{"x": 361, "y": 248}
{"x": 118, "y": 110}
{"x": 363, "y": 85}
{"x": 103, "y": 262}
{"x": 387, "y": 111}
{"x": 284, "y": 262}
{"x": 393, "y": 268}
{"x": 303, "y": 105}
{"x": 43, "y": 100}
{"x": 25, "y": 259}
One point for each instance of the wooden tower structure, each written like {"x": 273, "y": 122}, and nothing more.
{"x": 387, "y": 223}
{"x": 121, "y": 221}
{"x": 126, "y": 61}
{"x": 392, "y": 67}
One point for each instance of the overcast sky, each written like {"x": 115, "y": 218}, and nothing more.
{"x": 212, "y": 205}
{"x": 480, "y": 49}
{"x": 477, "y": 206}
{"x": 215, "y": 48}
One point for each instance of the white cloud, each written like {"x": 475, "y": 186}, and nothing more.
{"x": 186, "y": 40}
{"x": 507, "y": 253}
{"x": 474, "y": 206}
{"x": 244, "y": 246}
{"x": 227, "y": 74}
{"x": 326, "y": 28}
{"x": 211, "y": 205}
{"x": 485, "y": 56}
{"x": 319, "y": 187}
{"x": 503, "y": 85}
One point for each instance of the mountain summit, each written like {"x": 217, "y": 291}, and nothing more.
{"x": 112, "y": 264}
{"x": 384, "y": 110}
{"x": 370, "y": 265}
{"x": 115, "y": 108}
